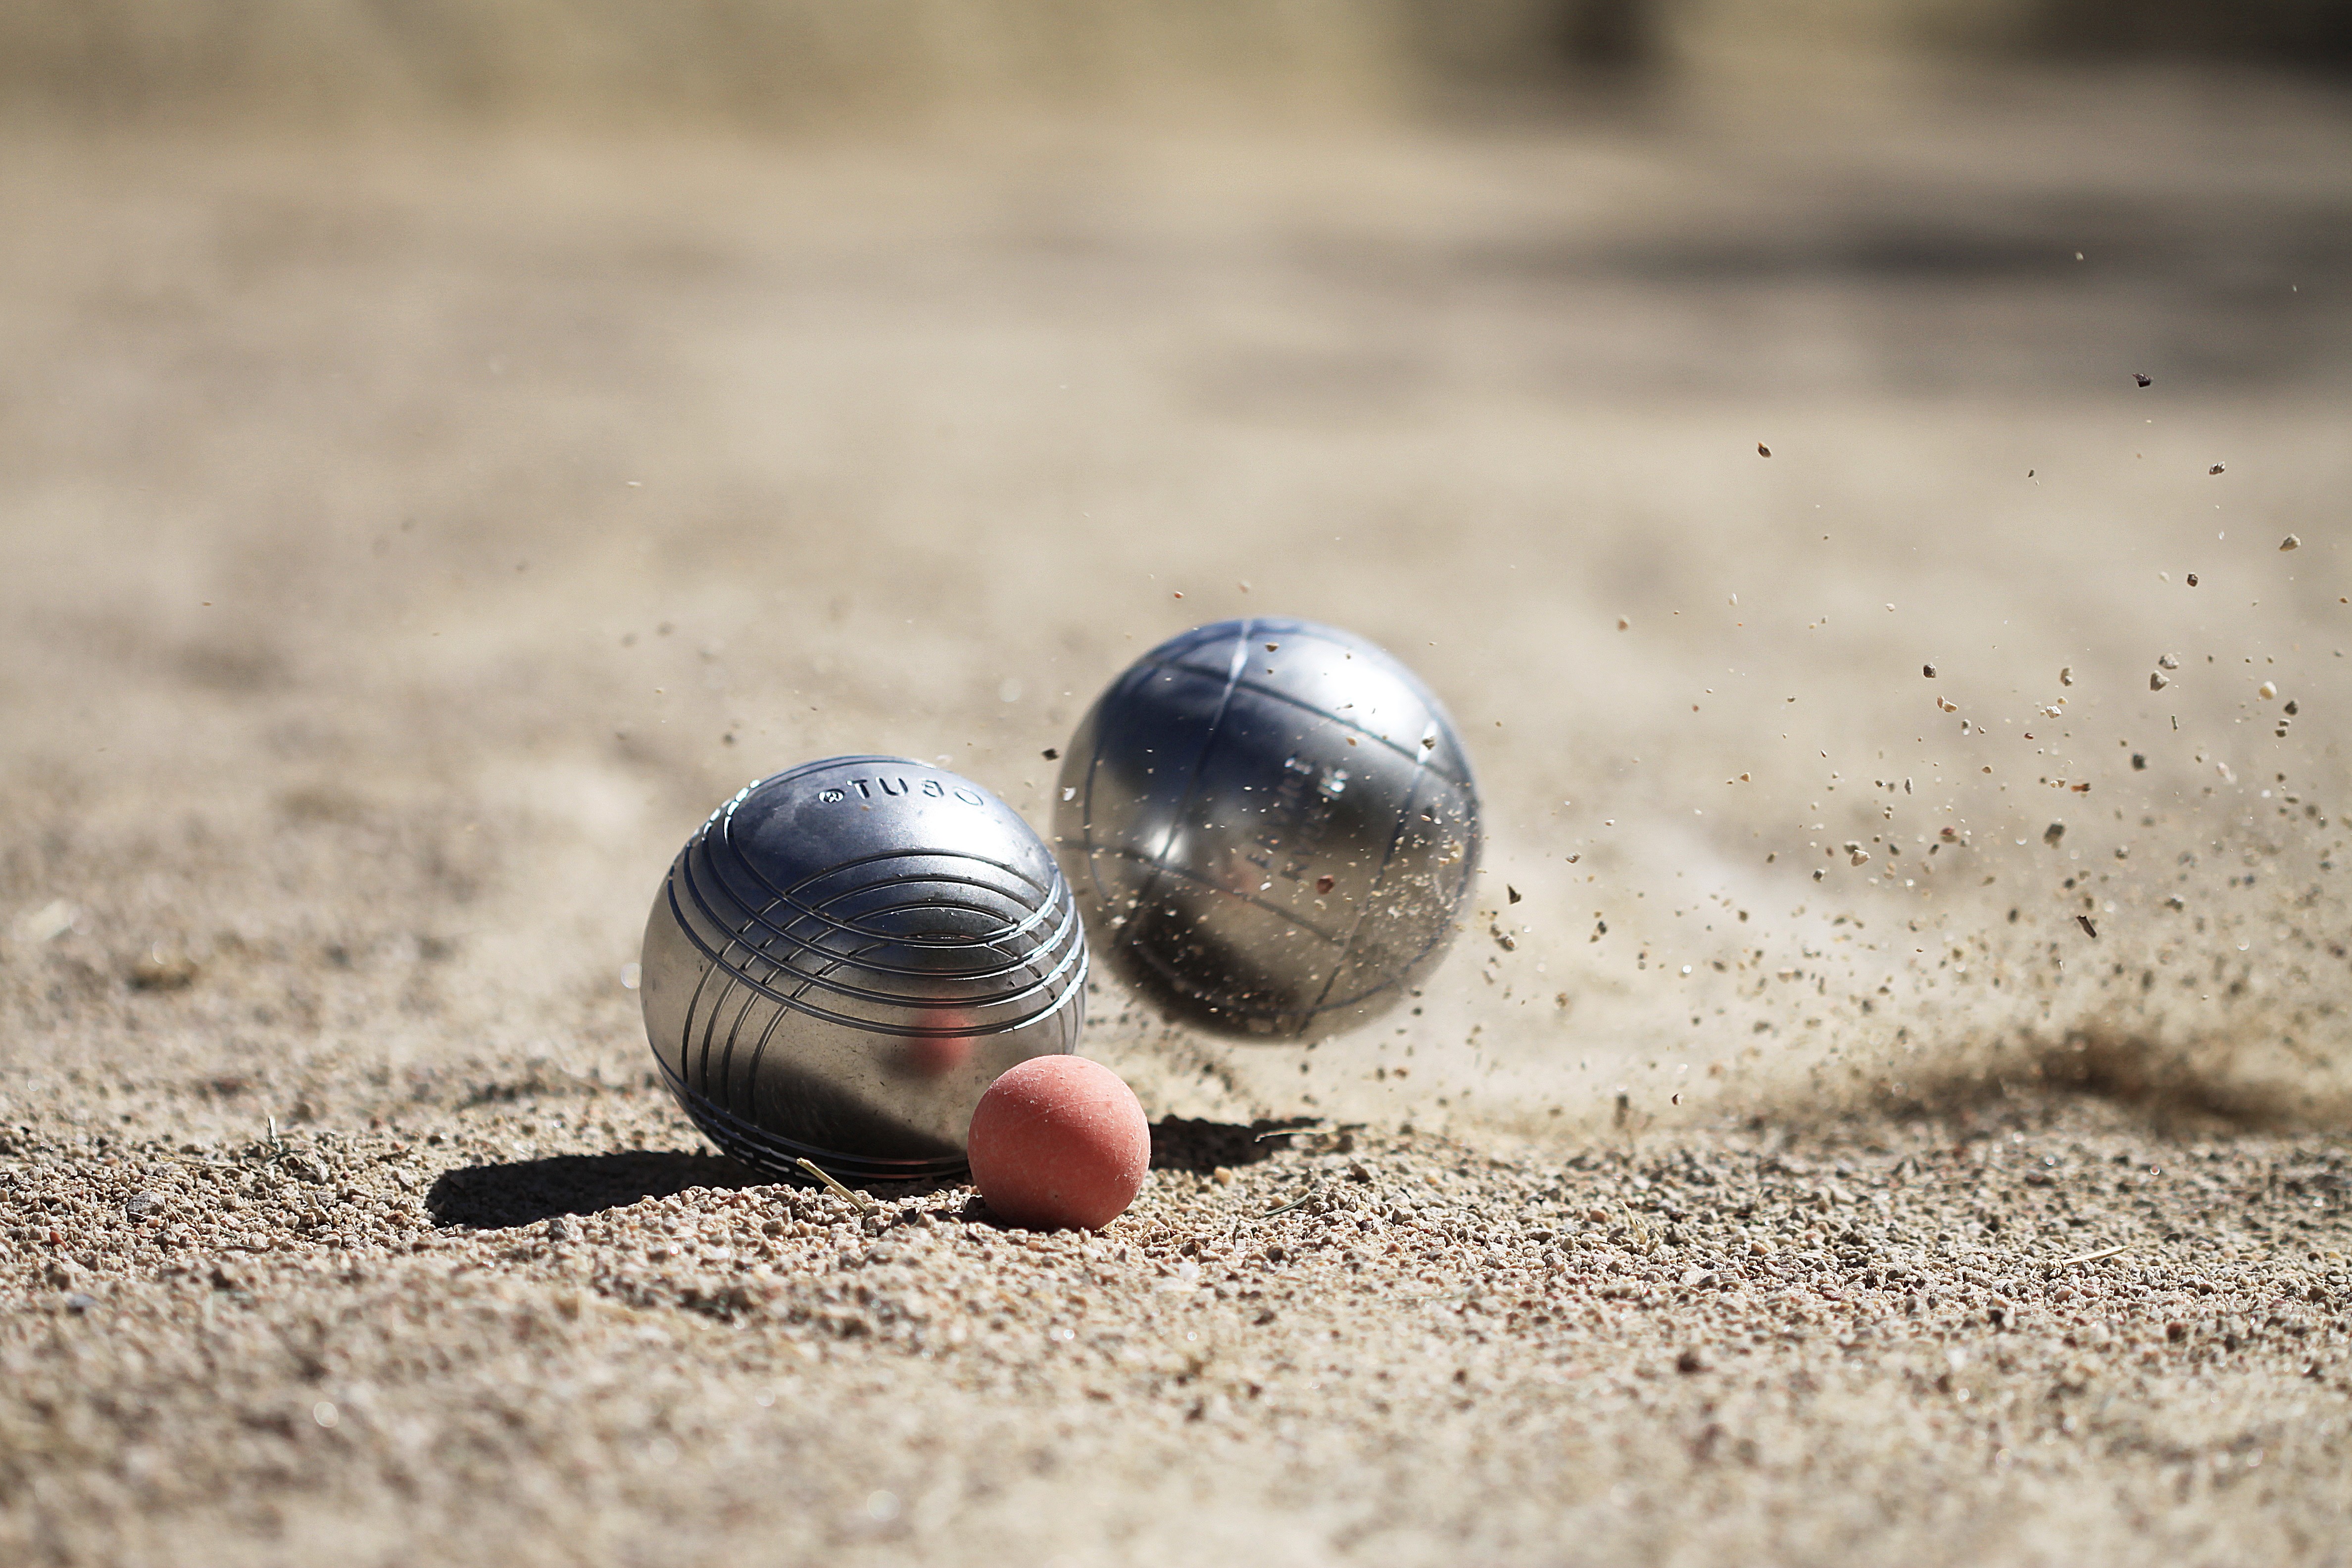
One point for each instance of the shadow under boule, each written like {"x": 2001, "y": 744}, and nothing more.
{"x": 1181, "y": 1143}
{"x": 526, "y": 1191}
{"x": 499, "y": 1197}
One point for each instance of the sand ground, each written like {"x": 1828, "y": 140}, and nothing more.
{"x": 1871, "y": 1143}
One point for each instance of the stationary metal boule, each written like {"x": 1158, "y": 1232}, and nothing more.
{"x": 846, "y": 955}
{"x": 1272, "y": 827}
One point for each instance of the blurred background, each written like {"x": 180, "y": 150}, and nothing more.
{"x": 1867, "y": 475}
{"x": 803, "y": 63}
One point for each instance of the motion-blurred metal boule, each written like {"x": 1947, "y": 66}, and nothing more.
{"x": 1272, "y": 827}
{"x": 846, "y": 955}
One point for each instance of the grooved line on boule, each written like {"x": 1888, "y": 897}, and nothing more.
{"x": 818, "y": 914}
{"x": 1075, "y": 953}
{"x": 1417, "y": 756}
{"x": 1035, "y": 912}
{"x": 1192, "y": 777}
{"x": 1387, "y": 858}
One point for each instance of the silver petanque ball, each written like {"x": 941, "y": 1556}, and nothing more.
{"x": 846, "y": 955}
{"x": 1272, "y": 827}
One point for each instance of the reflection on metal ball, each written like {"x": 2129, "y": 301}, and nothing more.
{"x": 846, "y": 955}
{"x": 1272, "y": 827}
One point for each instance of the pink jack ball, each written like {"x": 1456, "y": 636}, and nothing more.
{"x": 1059, "y": 1141}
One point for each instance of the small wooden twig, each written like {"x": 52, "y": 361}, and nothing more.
{"x": 2092, "y": 1256}
{"x": 277, "y": 1152}
{"x": 1296, "y": 1131}
{"x": 1312, "y": 1188}
{"x": 865, "y": 1204}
